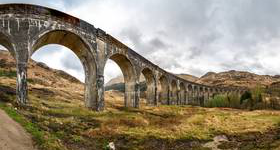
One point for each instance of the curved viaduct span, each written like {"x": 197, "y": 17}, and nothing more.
{"x": 25, "y": 28}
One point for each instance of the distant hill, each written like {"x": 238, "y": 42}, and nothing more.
{"x": 237, "y": 78}
{"x": 224, "y": 79}
{"x": 188, "y": 77}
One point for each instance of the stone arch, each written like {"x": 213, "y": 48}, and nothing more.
{"x": 151, "y": 84}
{"x": 129, "y": 75}
{"x": 190, "y": 94}
{"x": 174, "y": 92}
{"x": 201, "y": 95}
{"x": 182, "y": 95}
{"x": 7, "y": 42}
{"x": 215, "y": 92}
{"x": 163, "y": 90}
{"x": 211, "y": 93}
{"x": 207, "y": 94}
{"x": 83, "y": 51}
{"x": 195, "y": 94}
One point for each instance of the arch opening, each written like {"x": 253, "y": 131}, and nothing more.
{"x": 201, "y": 96}
{"x": 210, "y": 93}
{"x": 79, "y": 51}
{"x": 182, "y": 95}
{"x": 195, "y": 95}
{"x": 114, "y": 84}
{"x": 190, "y": 94}
{"x": 7, "y": 45}
{"x": 129, "y": 78}
{"x": 147, "y": 87}
{"x": 163, "y": 91}
{"x": 8, "y": 68}
{"x": 174, "y": 90}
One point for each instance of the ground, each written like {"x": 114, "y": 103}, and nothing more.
{"x": 57, "y": 119}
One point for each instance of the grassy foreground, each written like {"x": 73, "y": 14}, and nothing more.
{"x": 56, "y": 122}
{"x": 57, "y": 119}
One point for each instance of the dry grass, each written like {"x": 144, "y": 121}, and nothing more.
{"x": 57, "y": 109}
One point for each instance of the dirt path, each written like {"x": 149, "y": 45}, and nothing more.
{"x": 12, "y": 135}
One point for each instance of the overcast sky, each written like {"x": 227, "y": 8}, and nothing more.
{"x": 181, "y": 36}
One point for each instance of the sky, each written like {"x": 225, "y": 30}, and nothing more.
{"x": 180, "y": 36}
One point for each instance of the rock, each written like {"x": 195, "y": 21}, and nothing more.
{"x": 220, "y": 138}
{"x": 111, "y": 146}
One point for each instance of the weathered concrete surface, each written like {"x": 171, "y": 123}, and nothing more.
{"x": 12, "y": 135}
{"x": 26, "y": 28}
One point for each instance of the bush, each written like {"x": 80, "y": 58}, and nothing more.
{"x": 234, "y": 100}
{"x": 245, "y": 96}
{"x": 218, "y": 101}
{"x": 257, "y": 94}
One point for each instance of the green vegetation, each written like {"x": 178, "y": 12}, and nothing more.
{"x": 218, "y": 101}
{"x": 9, "y": 73}
{"x": 57, "y": 119}
{"x": 57, "y": 123}
{"x": 252, "y": 100}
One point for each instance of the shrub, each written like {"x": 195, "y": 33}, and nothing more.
{"x": 245, "y": 96}
{"x": 218, "y": 101}
{"x": 234, "y": 100}
{"x": 257, "y": 94}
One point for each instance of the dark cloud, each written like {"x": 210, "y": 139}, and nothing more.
{"x": 195, "y": 29}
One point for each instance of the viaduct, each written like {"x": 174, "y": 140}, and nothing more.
{"x": 25, "y": 28}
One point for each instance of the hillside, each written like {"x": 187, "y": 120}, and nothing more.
{"x": 225, "y": 79}
{"x": 237, "y": 78}
{"x": 57, "y": 119}
{"x": 188, "y": 77}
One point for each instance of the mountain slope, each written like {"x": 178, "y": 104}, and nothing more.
{"x": 188, "y": 77}
{"x": 237, "y": 78}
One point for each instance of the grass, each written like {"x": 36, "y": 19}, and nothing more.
{"x": 59, "y": 124}
{"x": 57, "y": 119}
{"x": 8, "y": 73}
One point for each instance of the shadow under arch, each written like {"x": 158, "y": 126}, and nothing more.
{"x": 182, "y": 94}
{"x": 195, "y": 95}
{"x": 210, "y": 90}
{"x": 174, "y": 90}
{"x": 129, "y": 75}
{"x": 190, "y": 94}
{"x": 201, "y": 96}
{"x": 82, "y": 50}
{"x": 151, "y": 84}
{"x": 163, "y": 90}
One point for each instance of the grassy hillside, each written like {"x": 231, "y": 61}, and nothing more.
{"x": 57, "y": 119}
